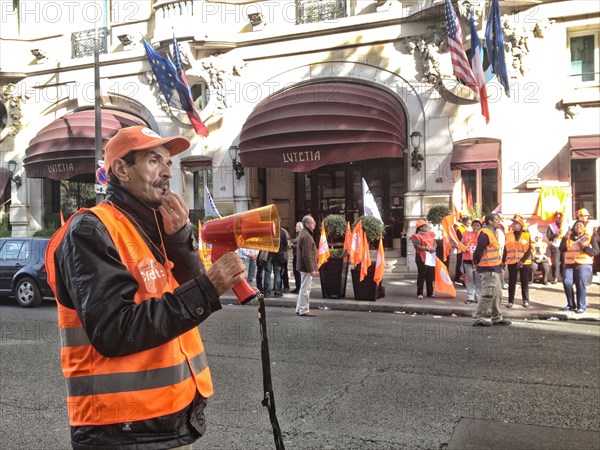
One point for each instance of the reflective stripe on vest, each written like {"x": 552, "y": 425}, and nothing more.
{"x": 516, "y": 249}
{"x": 491, "y": 255}
{"x": 144, "y": 385}
{"x": 574, "y": 254}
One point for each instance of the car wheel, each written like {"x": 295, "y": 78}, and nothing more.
{"x": 27, "y": 293}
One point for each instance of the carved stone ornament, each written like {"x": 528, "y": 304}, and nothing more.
{"x": 569, "y": 110}
{"x": 221, "y": 71}
{"x": 516, "y": 40}
{"x": 426, "y": 50}
{"x": 12, "y": 102}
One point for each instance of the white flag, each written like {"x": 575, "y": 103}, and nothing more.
{"x": 369, "y": 202}
{"x": 209, "y": 205}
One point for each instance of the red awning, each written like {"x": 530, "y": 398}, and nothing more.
{"x": 585, "y": 147}
{"x": 475, "y": 156}
{"x": 193, "y": 163}
{"x": 314, "y": 125}
{"x": 66, "y": 147}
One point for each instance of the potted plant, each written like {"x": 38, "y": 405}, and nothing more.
{"x": 334, "y": 273}
{"x": 435, "y": 215}
{"x": 367, "y": 289}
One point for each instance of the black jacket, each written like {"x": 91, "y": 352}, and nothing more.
{"x": 91, "y": 278}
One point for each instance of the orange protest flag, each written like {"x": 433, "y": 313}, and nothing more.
{"x": 356, "y": 250}
{"x": 348, "y": 239}
{"x": 366, "y": 259}
{"x": 464, "y": 203}
{"x": 62, "y": 218}
{"x": 443, "y": 282}
{"x": 323, "y": 248}
{"x": 379, "y": 262}
{"x": 449, "y": 231}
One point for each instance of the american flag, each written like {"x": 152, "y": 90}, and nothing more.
{"x": 460, "y": 62}
{"x": 176, "y": 92}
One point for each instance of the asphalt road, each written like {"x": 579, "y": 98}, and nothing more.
{"x": 345, "y": 380}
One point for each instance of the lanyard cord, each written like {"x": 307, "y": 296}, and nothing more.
{"x": 269, "y": 399}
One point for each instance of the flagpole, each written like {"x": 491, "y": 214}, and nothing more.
{"x": 97, "y": 112}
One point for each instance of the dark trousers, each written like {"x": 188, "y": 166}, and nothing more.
{"x": 524, "y": 274}
{"x": 426, "y": 275}
{"x": 458, "y": 268}
{"x": 297, "y": 276}
{"x": 285, "y": 278}
{"x": 260, "y": 267}
{"x": 556, "y": 269}
{"x": 544, "y": 267}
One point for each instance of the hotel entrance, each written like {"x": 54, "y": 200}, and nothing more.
{"x": 337, "y": 189}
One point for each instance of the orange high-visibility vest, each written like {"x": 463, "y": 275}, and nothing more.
{"x": 427, "y": 240}
{"x": 152, "y": 383}
{"x": 470, "y": 240}
{"x": 574, "y": 255}
{"x": 516, "y": 249}
{"x": 491, "y": 255}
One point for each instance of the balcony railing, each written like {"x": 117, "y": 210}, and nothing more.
{"x": 311, "y": 11}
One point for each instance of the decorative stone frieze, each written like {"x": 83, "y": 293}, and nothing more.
{"x": 12, "y": 102}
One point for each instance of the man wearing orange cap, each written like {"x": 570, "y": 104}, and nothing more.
{"x": 517, "y": 256}
{"x": 583, "y": 215}
{"x": 131, "y": 291}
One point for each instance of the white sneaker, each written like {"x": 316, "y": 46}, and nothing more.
{"x": 419, "y": 296}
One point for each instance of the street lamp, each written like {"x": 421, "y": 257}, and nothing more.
{"x": 416, "y": 157}
{"x": 237, "y": 166}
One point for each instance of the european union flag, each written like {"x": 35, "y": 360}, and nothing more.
{"x": 176, "y": 92}
{"x": 494, "y": 40}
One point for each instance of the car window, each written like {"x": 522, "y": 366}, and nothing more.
{"x": 25, "y": 250}
{"x": 10, "y": 250}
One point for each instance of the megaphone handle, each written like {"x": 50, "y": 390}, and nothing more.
{"x": 244, "y": 292}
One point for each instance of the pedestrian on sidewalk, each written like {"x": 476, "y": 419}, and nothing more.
{"x": 469, "y": 238}
{"x": 539, "y": 259}
{"x": 306, "y": 265}
{"x": 579, "y": 249}
{"x": 297, "y": 278}
{"x": 554, "y": 234}
{"x": 425, "y": 253}
{"x": 488, "y": 260}
{"x": 517, "y": 257}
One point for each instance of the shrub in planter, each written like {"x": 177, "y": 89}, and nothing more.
{"x": 437, "y": 212}
{"x": 335, "y": 227}
{"x": 372, "y": 226}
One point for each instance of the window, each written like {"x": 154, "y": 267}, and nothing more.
{"x": 311, "y": 11}
{"x": 584, "y": 182}
{"x": 584, "y": 54}
{"x": 481, "y": 188}
{"x": 200, "y": 94}
{"x": 10, "y": 250}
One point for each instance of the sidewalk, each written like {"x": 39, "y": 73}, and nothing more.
{"x": 545, "y": 301}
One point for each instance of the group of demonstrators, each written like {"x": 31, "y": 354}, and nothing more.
{"x": 487, "y": 249}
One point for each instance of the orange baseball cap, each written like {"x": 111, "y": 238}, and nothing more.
{"x": 140, "y": 138}
{"x": 420, "y": 223}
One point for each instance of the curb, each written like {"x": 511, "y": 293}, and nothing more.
{"x": 411, "y": 308}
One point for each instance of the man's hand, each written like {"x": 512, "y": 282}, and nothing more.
{"x": 226, "y": 272}
{"x": 314, "y": 274}
{"x": 174, "y": 212}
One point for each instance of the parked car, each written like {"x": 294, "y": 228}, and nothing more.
{"x": 23, "y": 271}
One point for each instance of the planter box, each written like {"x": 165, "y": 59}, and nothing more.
{"x": 333, "y": 276}
{"x": 367, "y": 288}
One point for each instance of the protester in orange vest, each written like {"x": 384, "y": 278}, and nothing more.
{"x": 488, "y": 259}
{"x": 517, "y": 257}
{"x": 131, "y": 291}
{"x": 578, "y": 249}
{"x": 424, "y": 241}
{"x": 469, "y": 238}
